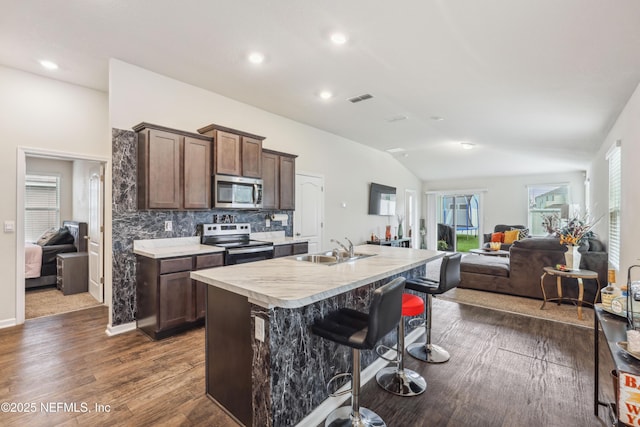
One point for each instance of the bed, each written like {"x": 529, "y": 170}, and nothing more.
{"x": 40, "y": 257}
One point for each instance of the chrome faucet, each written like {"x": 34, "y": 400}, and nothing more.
{"x": 349, "y": 250}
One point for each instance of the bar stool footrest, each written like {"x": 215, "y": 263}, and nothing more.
{"x": 334, "y": 378}
{"x": 382, "y": 349}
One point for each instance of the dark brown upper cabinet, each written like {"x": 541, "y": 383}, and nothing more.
{"x": 174, "y": 168}
{"x": 235, "y": 152}
{"x": 279, "y": 176}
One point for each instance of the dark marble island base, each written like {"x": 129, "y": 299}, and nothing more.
{"x": 278, "y": 381}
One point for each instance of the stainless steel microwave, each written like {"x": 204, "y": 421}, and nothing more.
{"x": 237, "y": 192}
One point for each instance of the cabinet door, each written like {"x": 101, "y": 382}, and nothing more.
{"x": 175, "y": 299}
{"x": 251, "y": 157}
{"x": 197, "y": 174}
{"x": 271, "y": 181}
{"x": 287, "y": 182}
{"x": 163, "y": 186}
{"x": 282, "y": 250}
{"x": 227, "y": 153}
{"x": 300, "y": 248}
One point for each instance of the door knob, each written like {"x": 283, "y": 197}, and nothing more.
{"x": 87, "y": 238}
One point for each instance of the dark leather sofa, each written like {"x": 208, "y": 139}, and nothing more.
{"x": 501, "y": 228}
{"x": 520, "y": 273}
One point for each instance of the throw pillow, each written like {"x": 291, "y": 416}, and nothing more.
{"x": 511, "y": 236}
{"x": 497, "y": 237}
{"x": 46, "y": 236}
{"x": 524, "y": 232}
{"x": 62, "y": 237}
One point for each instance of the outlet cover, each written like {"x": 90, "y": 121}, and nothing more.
{"x": 168, "y": 226}
{"x": 259, "y": 322}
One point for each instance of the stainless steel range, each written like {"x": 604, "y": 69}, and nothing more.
{"x": 235, "y": 238}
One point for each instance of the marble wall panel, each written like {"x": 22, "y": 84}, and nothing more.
{"x": 129, "y": 223}
{"x": 300, "y": 363}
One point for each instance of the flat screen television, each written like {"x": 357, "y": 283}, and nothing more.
{"x": 382, "y": 199}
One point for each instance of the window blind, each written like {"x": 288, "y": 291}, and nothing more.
{"x": 615, "y": 191}
{"x": 42, "y": 205}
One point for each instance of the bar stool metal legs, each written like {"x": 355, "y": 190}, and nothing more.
{"x": 354, "y": 415}
{"x": 427, "y": 351}
{"x": 397, "y": 379}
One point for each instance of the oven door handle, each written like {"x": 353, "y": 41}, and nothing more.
{"x": 249, "y": 250}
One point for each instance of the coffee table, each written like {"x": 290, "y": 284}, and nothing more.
{"x": 490, "y": 252}
{"x": 572, "y": 274}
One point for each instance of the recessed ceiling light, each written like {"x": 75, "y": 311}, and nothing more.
{"x": 325, "y": 94}
{"x": 395, "y": 150}
{"x": 49, "y": 65}
{"x": 467, "y": 145}
{"x": 256, "y": 58}
{"x": 339, "y": 38}
{"x": 437, "y": 118}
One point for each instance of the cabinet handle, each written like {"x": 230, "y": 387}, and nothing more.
{"x": 297, "y": 234}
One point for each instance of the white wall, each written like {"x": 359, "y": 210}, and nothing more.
{"x": 137, "y": 95}
{"x": 63, "y": 169}
{"x": 44, "y": 114}
{"x": 505, "y": 199}
{"x": 627, "y": 130}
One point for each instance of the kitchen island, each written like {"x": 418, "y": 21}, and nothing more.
{"x": 263, "y": 364}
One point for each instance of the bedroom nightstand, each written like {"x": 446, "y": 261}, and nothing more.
{"x": 73, "y": 272}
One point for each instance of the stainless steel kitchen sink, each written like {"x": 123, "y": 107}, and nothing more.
{"x": 330, "y": 258}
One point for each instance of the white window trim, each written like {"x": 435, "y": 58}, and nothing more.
{"x": 614, "y": 154}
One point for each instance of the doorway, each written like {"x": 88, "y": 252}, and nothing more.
{"x": 87, "y": 206}
{"x": 459, "y": 214}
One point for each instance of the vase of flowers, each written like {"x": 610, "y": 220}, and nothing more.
{"x": 572, "y": 235}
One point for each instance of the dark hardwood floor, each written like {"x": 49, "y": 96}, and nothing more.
{"x": 505, "y": 370}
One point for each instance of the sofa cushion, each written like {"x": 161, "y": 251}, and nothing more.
{"x": 541, "y": 243}
{"x": 596, "y": 245}
{"x": 504, "y": 227}
{"x": 485, "y": 264}
{"x": 497, "y": 237}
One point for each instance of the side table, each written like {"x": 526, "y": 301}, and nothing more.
{"x": 73, "y": 272}
{"x": 573, "y": 274}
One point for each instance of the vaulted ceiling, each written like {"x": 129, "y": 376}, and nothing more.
{"x": 535, "y": 85}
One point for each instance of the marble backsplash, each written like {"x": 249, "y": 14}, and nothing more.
{"x": 129, "y": 223}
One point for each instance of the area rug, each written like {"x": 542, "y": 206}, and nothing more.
{"x": 565, "y": 313}
{"x": 49, "y": 301}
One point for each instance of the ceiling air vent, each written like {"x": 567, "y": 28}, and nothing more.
{"x": 360, "y": 98}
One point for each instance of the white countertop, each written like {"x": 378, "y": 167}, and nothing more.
{"x": 277, "y": 237}
{"x": 168, "y": 248}
{"x": 287, "y": 283}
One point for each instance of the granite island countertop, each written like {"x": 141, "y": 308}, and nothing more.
{"x": 288, "y": 283}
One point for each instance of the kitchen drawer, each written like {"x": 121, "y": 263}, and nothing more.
{"x": 282, "y": 250}
{"x": 175, "y": 265}
{"x": 209, "y": 260}
{"x": 300, "y": 248}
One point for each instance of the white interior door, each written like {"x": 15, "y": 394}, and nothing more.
{"x": 308, "y": 218}
{"x": 96, "y": 231}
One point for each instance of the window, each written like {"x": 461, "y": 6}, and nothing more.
{"x": 548, "y": 203}
{"x": 42, "y": 205}
{"x": 615, "y": 187}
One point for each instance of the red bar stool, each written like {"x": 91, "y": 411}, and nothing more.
{"x": 397, "y": 379}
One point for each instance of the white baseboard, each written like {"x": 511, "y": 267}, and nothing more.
{"x": 318, "y": 415}
{"x": 7, "y": 323}
{"x": 120, "y": 329}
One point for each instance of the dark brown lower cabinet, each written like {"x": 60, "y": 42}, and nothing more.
{"x": 290, "y": 249}
{"x": 168, "y": 301}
